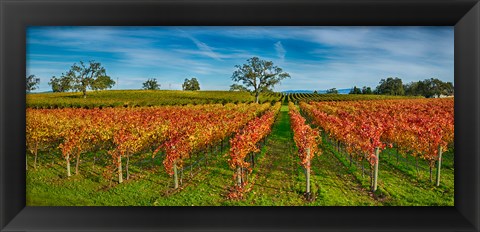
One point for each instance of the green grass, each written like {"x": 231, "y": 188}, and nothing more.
{"x": 148, "y": 185}
{"x": 338, "y": 186}
{"x": 134, "y": 98}
{"x": 397, "y": 183}
{"x": 276, "y": 179}
{"x": 280, "y": 179}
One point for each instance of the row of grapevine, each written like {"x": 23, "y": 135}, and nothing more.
{"x": 307, "y": 97}
{"x": 244, "y": 143}
{"x": 122, "y": 132}
{"x": 193, "y": 135}
{"x": 421, "y": 127}
{"x": 306, "y": 140}
{"x": 353, "y": 97}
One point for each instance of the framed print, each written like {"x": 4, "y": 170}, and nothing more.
{"x": 319, "y": 112}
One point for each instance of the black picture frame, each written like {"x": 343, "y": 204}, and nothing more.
{"x": 16, "y": 15}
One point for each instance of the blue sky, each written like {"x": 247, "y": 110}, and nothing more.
{"x": 317, "y": 58}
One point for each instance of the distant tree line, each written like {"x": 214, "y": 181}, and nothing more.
{"x": 429, "y": 88}
{"x": 363, "y": 90}
{"x": 255, "y": 76}
{"x": 394, "y": 86}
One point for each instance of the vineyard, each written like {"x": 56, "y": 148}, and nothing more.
{"x": 374, "y": 150}
{"x": 139, "y": 98}
{"x": 148, "y": 98}
{"x": 308, "y": 97}
{"x": 178, "y": 132}
{"x": 421, "y": 128}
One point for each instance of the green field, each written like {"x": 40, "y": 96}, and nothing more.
{"x": 139, "y": 98}
{"x": 278, "y": 179}
{"x": 136, "y": 98}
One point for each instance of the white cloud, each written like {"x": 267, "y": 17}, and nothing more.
{"x": 280, "y": 50}
{"x": 203, "y": 47}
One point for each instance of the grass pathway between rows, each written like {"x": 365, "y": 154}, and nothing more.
{"x": 279, "y": 178}
{"x": 397, "y": 185}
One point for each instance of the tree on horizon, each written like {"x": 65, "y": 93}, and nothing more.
{"x": 390, "y": 86}
{"x": 151, "y": 84}
{"x": 32, "y": 83}
{"x": 81, "y": 77}
{"x": 261, "y": 75}
{"x": 332, "y": 91}
{"x": 191, "y": 84}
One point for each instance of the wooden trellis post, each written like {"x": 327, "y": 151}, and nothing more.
{"x": 120, "y": 176}
{"x": 439, "y": 164}
{"x": 308, "y": 172}
{"x": 68, "y": 165}
{"x": 175, "y": 174}
{"x": 375, "y": 174}
{"x": 239, "y": 176}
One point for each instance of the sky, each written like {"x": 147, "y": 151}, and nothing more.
{"x": 317, "y": 58}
